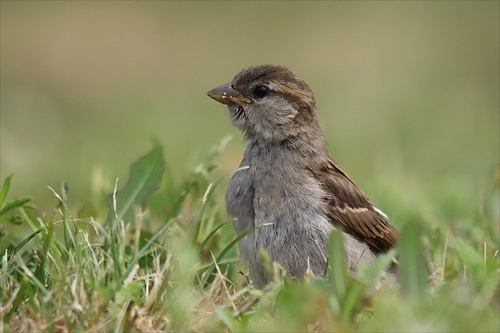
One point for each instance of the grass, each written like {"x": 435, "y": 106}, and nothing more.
{"x": 160, "y": 256}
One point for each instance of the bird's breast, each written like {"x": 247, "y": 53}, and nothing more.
{"x": 239, "y": 200}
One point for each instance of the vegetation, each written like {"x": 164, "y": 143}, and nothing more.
{"x": 160, "y": 256}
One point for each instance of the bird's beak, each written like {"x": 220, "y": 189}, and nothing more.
{"x": 226, "y": 94}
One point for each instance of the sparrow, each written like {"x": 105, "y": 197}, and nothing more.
{"x": 289, "y": 184}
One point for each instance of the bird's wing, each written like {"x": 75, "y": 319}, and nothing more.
{"x": 349, "y": 209}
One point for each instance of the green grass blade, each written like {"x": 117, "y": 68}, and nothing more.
{"x": 413, "y": 270}
{"x": 337, "y": 263}
{"x": 5, "y": 189}
{"x": 211, "y": 234}
{"x": 26, "y": 241}
{"x": 208, "y": 272}
{"x": 143, "y": 250}
{"x": 13, "y": 205}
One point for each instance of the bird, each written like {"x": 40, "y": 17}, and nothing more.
{"x": 288, "y": 185}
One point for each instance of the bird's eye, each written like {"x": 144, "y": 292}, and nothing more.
{"x": 261, "y": 91}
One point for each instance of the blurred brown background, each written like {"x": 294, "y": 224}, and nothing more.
{"x": 404, "y": 89}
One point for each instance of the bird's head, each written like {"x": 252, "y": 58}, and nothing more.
{"x": 268, "y": 102}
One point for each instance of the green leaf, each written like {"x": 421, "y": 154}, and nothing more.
{"x": 13, "y": 205}
{"x": 413, "y": 270}
{"x": 231, "y": 321}
{"x": 371, "y": 274}
{"x": 144, "y": 179}
{"x": 16, "y": 219}
{"x": 5, "y": 189}
{"x": 337, "y": 262}
{"x": 348, "y": 292}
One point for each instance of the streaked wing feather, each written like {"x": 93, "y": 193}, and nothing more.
{"x": 349, "y": 209}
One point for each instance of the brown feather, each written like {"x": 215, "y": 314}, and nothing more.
{"x": 349, "y": 209}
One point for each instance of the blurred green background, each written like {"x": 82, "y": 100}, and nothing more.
{"x": 407, "y": 92}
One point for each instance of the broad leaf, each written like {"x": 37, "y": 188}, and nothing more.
{"x": 144, "y": 179}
